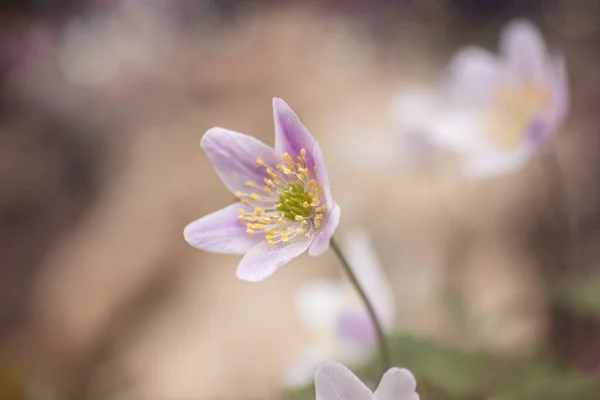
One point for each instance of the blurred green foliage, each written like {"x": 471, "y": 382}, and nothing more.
{"x": 445, "y": 372}
{"x": 583, "y": 296}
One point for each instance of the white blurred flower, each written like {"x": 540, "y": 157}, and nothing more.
{"x": 509, "y": 105}
{"x": 333, "y": 381}
{"x": 495, "y": 111}
{"x": 337, "y": 321}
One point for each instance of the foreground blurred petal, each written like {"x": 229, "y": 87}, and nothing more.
{"x": 492, "y": 165}
{"x": 234, "y": 156}
{"x": 471, "y": 78}
{"x": 263, "y": 260}
{"x": 320, "y": 243}
{"x": 220, "y": 232}
{"x": 460, "y": 131}
{"x": 318, "y": 304}
{"x": 357, "y": 327}
{"x": 397, "y": 384}
{"x": 525, "y": 51}
{"x": 369, "y": 272}
{"x": 333, "y": 381}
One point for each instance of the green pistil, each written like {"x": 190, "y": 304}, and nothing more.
{"x": 291, "y": 201}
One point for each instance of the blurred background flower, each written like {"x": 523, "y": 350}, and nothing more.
{"x": 102, "y": 104}
{"x": 335, "y": 317}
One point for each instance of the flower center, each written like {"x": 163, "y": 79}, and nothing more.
{"x": 514, "y": 109}
{"x": 289, "y": 203}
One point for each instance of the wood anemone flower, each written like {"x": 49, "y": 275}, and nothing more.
{"x": 285, "y": 206}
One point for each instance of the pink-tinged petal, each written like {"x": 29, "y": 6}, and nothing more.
{"x": 523, "y": 46}
{"x": 357, "y": 327}
{"x": 320, "y": 243}
{"x": 369, "y": 272}
{"x": 234, "y": 156}
{"x": 333, "y": 381}
{"x": 263, "y": 260}
{"x": 322, "y": 176}
{"x": 472, "y": 77}
{"x": 220, "y": 232}
{"x": 290, "y": 134}
{"x": 496, "y": 164}
{"x": 397, "y": 384}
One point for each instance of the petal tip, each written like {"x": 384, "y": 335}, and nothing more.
{"x": 329, "y": 366}
{"x": 518, "y": 29}
{"x": 209, "y": 135}
{"x": 188, "y": 234}
{"x": 279, "y": 103}
{"x": 253, "y": 277}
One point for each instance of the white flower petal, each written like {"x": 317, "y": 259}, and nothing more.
{"x": 397, "y": 384}
{"x": 321, "y": 241}
{"x": 471, "y": 78}
{"x": 290, "y": 134}
{"x": 496, "y": 164}
{"x": 263, "y": 260}
{"x": 220, "y": 232}
{"x": 333, "y": 381}
{"x": 523, "y": 46}
{"x": 234, "y": 156}
{"x": 461, "y": 131}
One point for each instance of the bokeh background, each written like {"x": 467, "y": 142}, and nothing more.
{"x": 102, "y": 105}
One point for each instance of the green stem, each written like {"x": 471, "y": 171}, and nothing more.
{"x": 381, "y": 340}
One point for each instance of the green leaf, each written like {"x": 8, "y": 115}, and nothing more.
{"x": 584, "y": 296}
